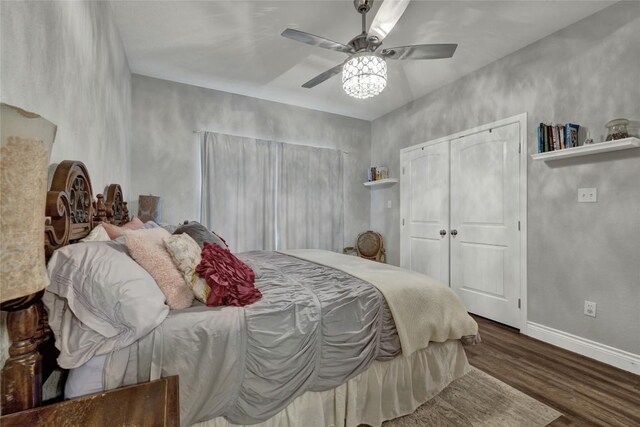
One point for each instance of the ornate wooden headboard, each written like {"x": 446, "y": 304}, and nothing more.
{"x": 71, "y": 213}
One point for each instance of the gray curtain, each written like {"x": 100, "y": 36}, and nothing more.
{"x": 311, "y": 205}
{"x": 239, "y": 190}
{"x": 268, "y": 195}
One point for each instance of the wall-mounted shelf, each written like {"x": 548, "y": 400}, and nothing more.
{"x": 381, "y": 182}
{"x": 585, "y": 150}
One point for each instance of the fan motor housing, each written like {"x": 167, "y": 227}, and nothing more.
{"x": 359, "y": 43}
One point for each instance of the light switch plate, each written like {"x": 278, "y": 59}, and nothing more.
{"x": 388, "y": 204}
{"x": 587, "y": 195}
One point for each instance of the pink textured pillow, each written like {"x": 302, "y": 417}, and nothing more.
{"x": 115, "y": 231}
{"x": 231, "y": 281}
{"x": 147, "y": 248}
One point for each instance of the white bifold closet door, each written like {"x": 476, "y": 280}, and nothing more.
{"x": 485, "y": 241}
{"x": 460, "y": 218}
{"x": 425, "y": 210}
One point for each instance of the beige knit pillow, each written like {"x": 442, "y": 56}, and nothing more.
{"x": 185, "y": 253}
{"x": 147, "y": 248}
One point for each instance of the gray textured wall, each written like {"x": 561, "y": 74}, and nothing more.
{"x": 65, "y": 61}
{"x": 165, "y": 154}
{"x": 587, "y": 73}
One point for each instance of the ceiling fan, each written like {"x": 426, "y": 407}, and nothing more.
{"x": 364, "y": 72}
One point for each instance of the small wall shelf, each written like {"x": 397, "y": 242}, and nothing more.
{"x": 585, "y": 150}
{"x": 381, "y": 182}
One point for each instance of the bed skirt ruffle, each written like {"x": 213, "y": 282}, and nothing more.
{"x": 386, "y": 390}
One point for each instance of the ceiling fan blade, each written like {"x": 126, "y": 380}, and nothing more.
{"x": 322, "y": 77}
{"x": 388, "y": 15}
{"x": 314, "y": 40}
{"x": 420, "y": 51}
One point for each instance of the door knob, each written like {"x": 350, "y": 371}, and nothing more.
{"x": 443, "y": 233}
{"x": 454, "y": 232}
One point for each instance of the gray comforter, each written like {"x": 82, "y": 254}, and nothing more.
{"x": 314, "y": 328}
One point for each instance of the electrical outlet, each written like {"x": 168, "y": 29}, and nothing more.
{"x": 389, "y": 204}
{"x": 587, "y": 195}
{"x": 590, "y": 308}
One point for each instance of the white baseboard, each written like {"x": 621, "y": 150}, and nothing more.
{"x": 600, "y": 352}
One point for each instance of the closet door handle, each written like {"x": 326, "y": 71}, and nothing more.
{"x": 443, "y": 233}
{"x": 454, "y": 232}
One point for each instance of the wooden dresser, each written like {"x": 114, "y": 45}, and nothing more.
{"x": 154, "y": 403}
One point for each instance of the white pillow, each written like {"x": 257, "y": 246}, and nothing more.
{"x": 98, "y": 234}
{"x": 85, "y": 379}
{"x": 99, "y": 300}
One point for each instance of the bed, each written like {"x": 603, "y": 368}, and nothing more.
{"x": 334, "y": 341}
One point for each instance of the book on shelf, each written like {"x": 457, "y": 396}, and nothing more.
{"x": 540, "y": 140}
{"x": 552, "y": 136}
{"x": 571, "y": 134}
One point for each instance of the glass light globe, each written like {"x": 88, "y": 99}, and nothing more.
{"x": 364, "y": 75}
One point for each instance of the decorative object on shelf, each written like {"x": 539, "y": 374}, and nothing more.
{"x": 376, "y": 173}
{"x": 589, "y": 140}
{"x": 589, "y": 149}
{"x": 149, "y": 208}
{"x": 364, "y": 75}
{"x": 25, "y": 147}
{"x": 617, "y": 129}
{"x": 369, "y": 245}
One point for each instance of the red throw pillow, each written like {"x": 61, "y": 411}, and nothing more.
{"x": 231, "y": 281}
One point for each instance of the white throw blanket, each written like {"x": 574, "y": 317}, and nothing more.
{"x": 423, "y": 308}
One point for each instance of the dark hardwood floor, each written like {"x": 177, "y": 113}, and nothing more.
{"x": 587, "y": 392}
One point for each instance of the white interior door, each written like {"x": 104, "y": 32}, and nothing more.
{"x": 424, "y": 210}
{"x": 485, "y": 240}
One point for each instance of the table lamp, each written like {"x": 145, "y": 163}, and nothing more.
{"x": 25, "y": 148}
{"x": 149, "y": 208}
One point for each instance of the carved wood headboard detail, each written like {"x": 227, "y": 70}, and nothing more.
{"x": 71, "y": 212}
{"x": 117, "y": 211}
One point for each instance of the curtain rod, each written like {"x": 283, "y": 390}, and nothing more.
{"x": 282, "y": 142}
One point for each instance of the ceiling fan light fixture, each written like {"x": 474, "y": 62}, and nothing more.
{"x": 364, "y": 75}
